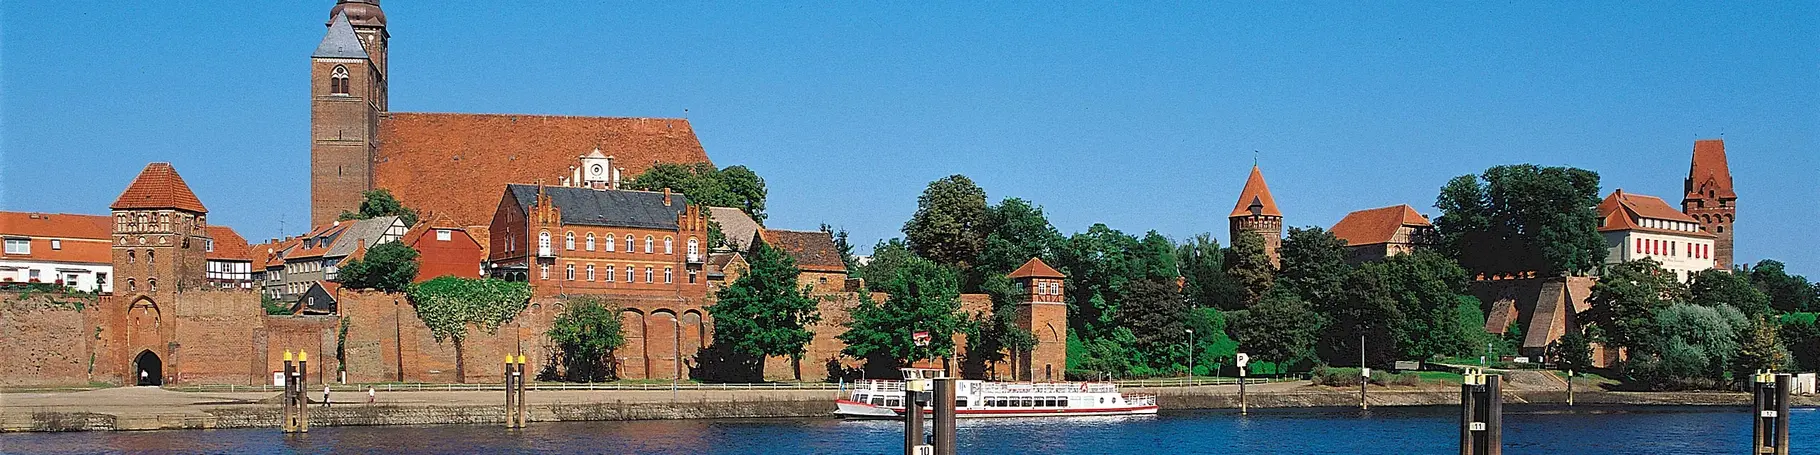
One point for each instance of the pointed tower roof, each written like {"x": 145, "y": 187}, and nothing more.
{"x": 1709, "y": 166}
{"x": 1256, "y": 193}
{"x": 1035, "y": 268}
{"x": 340, "y": 42}
{"x": 159, "y": 187}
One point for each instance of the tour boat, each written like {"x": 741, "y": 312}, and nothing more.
{"x": 884, "y": 399}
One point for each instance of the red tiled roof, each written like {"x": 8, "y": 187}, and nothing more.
{"x": 1255, "y": 193}
{"x": 1379, "y": 225}
{"x": 456, "y": 164}
{"x": 1709, "y": 167}
{"x": 159, "y": 187}
{"x": 1623, "y": 211}
{"x": 311, "y": 246}
{"x": 272, "y": 254}
{"x": 814, "y": 251}
{"x": 1035, "y": 268}
{"x": 80, "y": 238}
{"x": 229, "y": 245}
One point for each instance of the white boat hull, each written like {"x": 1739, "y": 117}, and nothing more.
{"x": 857, "y": 410}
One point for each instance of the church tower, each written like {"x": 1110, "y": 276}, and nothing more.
{"x": 1710, "y": 198}
{"x": 1257, "y": 213}
{"x": 347, "y": 97}
{"x": 160, "y": 233}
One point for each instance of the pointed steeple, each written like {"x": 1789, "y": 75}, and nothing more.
{"x": 1709, "y": 171}
{"x": 340, "y": 42}
{"x": 1256, "y": 194}
{"x": 159, "y": 187}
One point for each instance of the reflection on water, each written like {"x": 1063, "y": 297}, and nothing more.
{"x": 1302, "y": 431}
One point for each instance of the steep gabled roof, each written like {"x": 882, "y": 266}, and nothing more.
{"x": 1709, "y": 167}
{"x": 738, "y": 227}
{"x": 159, "y": 187}
{"x": 616, "y": 208}
{"x": 1035, "y": 268}
{"x": 814, "y": 251}
{"x": 1621, "y": 211}
{"x": 1375, "y": 226}
{"x": 229, "y": 245}
{"x": 1256, "y": 193}
{"x": 360, "y": 234}
{"x": 340, "y": 42}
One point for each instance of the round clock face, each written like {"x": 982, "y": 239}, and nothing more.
{"x": 596, "y": 170}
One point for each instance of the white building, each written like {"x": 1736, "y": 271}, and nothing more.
{"x": 74, "y": 250}
{"x": 1637, "y": 226}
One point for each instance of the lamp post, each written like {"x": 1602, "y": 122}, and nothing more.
{"x": 1190, "y": 356}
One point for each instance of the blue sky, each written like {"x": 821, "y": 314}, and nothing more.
{"x": 1141, "y": 116}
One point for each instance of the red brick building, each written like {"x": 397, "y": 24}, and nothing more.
{"x": 445, "y": 249}
{"x": 1043, "y": 312}
{"x": 1257, "y": 213}
{"x": 1383, "y": 232}
{"x": 1710, "y": 198}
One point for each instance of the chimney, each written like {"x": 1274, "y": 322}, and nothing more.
{"x": 666, "y": 196}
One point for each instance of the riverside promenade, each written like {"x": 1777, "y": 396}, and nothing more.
{"x": 153, "y": 408}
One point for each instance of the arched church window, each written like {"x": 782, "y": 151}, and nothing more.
{"x": 338, "y": 80}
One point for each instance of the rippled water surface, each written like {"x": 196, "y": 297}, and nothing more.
{"x": 1303, "y": 431}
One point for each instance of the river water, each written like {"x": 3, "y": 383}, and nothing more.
{"x": 1422, "y": 430}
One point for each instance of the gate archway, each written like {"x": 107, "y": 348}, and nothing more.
{"x": 148, "y": 369}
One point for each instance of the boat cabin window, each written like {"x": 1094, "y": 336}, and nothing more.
{"x": 878, "y": 400}
{"x": 894, "y": 402}
{"x": 960, "y": 402}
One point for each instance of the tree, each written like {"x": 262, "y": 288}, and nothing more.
{"x": 1572, "y": 352}
{"x": 1156, "y": 313}
{"x": 586, "y": 334}
{"x": 380, "y": 202}
{"x": 1758, "y": 350}
{"x": 1015, "y": 231}
{"x": 844, "y": 247}
{"x": 1203, "y": 274}
{"x": 1626, "y": 298}
{"x": 1687, "y": 345}
{"x": 389, "y": 267}
{"x": 765, "y": 312}
{"x": 887, "y": 257}
{"x": 1787, "y": 293}
{"x": 272, "y": 306}
{"x": 1098, "y": 264}
{"x": 1718, "y": 287}
{"x": 1212, "y": 345}
{"x": 448, "y": 305}
{"x": 733, "y": 186}
{"x": 1249, "y": 267}
{"x": 947, "y": 226}
{"x": 923, "y": 297}
{"x": 1364, "y": 310}
{"x": 1314, "y": 264}
{"x": 1801, "y": 334}
{"x": 1523, "y": 217}
{"x": 1280, "y": 328}
{"x": 1439, "y": 317}
{"x": 993, "y": 335}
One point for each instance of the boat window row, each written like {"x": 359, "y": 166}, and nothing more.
{"x": 1025, "y": 402}
{"x": 881, "y": 400}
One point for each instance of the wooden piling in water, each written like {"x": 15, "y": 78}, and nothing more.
{"x": 913, "y": 419}
{"x": 944, "y": 416}
{"x": 1481, "y": 415}
{"x": 1769, "y": 424}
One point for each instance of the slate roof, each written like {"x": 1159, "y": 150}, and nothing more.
{"x": 435, "y": 162}
{"x": 738, "y": 227}
{"x": 159, "y": 187}
{"x": 1035, "y": 268}
{"x": 340, "y": 42}
{"x": 360, "y": 234}
{"x": 1623, "y": 211}
{"x": 1709, "y": 166}
{"x": 1375, "y": 226}
{"x": 1255, "y": 193}
{"x": 615, "y": 208}
{"x": 814, "y": 251}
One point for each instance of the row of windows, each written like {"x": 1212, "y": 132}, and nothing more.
{"x": 1026, "y": 402}
{"x": 1046, "y": 288}
{"x": 1670, "y": 225}
{"x": 1673, "y": 248}
{"x": 144, "y": 222}
{"x": 568, "y": 243}
{"x": 609, "y": 276}
{"x": 150, "y": 283}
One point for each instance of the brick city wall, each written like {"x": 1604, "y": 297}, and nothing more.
{"x": 46, "y": 343}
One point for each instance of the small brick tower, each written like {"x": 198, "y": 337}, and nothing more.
{"x": 1044, "y": 313}
{"x": 160, "y": 230}
{"x": 347, "y": 97}
{"x": 1257, "y": 213}
{"x": 1710, "y": 198}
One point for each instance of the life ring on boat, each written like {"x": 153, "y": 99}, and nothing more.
{"x": 1083, "y": 387}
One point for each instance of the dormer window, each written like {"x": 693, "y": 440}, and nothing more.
{"x": 338, "y": 81}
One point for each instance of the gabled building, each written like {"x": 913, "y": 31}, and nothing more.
{"x": 71, "y": 250}
{"x": 159, "y": 234}
{"x": 1257, "y": 213}
{"x": 230, "y": 259}
{"x": 1710, "y": 199}
{"x": 1384, "y": 232}
{"x": 1639, "y": 226}
{"x": 445, "y": 249}
{"x": 319, "y": 255}
{"x": 816, "y": 257}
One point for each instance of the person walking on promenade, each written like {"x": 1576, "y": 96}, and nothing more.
{"x": 325, "y": 397}
{"x": 371, "y": 397}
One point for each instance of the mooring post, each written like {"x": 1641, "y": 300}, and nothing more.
{"x": 524, "y": 409}
{"x": 944, "y": 416}
{"x": 1784, "y": 385}
{"x": 290, "y": 394}
{"x": 1570, "y": 387}
{"x": 510, "y": 395}
{"x": 1242, "y": 408}
{"x": 913, "y": 416}
{"x": 1769, "y": 424}
{"x": 303, "y": 392}
{"x": 1481, "y": 414}
{"x": 1364, "y": 375}
{"x": 1494, "y": 415}
{"x": 1468, "y": 401}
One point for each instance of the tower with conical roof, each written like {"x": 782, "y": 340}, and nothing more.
{"x": 347, "y": 96}
{"x": 1709, "y": 197}
{"x": 160, "y": 234}
{"x": 1256, "y": 213}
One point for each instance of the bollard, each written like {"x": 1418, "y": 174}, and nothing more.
{"x": 303, "y": 392}
{"x": 1242, "y": 408}
{"x": 511, "y": 395}
{"x": 944, "y": 416}
{"x": 1769, "y": 425}
{"x": 524, "y": 409}
{"x": 1481, "y": 414}
{"x": 913, "y": 417}
{"x": 290, "y": 394}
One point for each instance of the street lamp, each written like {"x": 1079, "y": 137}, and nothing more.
{"x": 1190, "y": 356}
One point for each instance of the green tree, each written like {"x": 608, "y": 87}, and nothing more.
{"x": 1314, "y": 264}
{"x": 448, "y": 305}
{"x": 887, "y": 257}
{"x": 764, "y": 312}
{"x": 993, "y": 335}
{"x": 948, "y": 225}
{"x": 1099, "y": 263}
{"x": 1015, "y": 231}
{"x": 1801, "y": 334}
{"x": 923, "y": 297}
{"x": 1439, "y": 317}
{"x": 1248, "y": 267}
{"x": 1687, "y": 345}
{"x": 1365, "y": 311}
{"x": 1758, "y": 349}
{"x": 586, "y": 334}
{"x": 732, "y": 186}
{"x": 1280, "y": 328}
{"x": 1156, "y": 313}
{"x": 1718, "y": 287}
{"x": 1787, "y": 293}
{"x": 380, "y": 202}
{"x": 1523, "y": 217}
{"x": 844, "y": 247}
{"x": 1626, "y": 298}
{"x": 1203, "y": 274}
{"x": 1213, "y": 346}
{"x": 272, "y": 306}
{"x": 1573, "y": 352}
{"x": 389, "y": 267}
